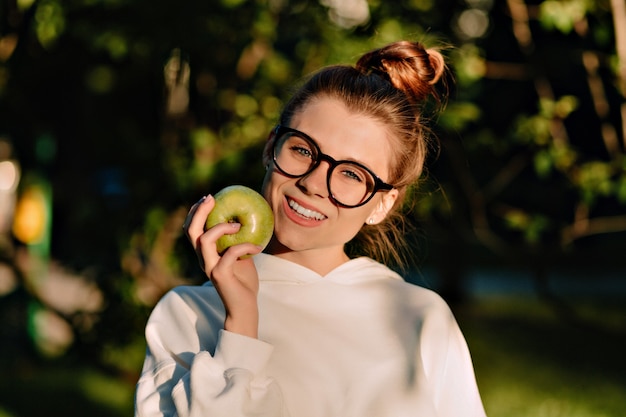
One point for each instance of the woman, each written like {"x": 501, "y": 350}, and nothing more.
{"x": 303, "y": 329}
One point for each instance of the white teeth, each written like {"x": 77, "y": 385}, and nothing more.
{"x": 306, "y": 212}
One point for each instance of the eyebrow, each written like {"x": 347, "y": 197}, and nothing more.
{"x": 349, "y": 159}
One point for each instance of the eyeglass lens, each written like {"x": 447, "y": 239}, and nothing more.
{"x": 348, "y": 183}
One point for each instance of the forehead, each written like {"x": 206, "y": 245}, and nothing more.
{"x": 345, "y": 134}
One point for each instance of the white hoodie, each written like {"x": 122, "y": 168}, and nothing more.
{"x": 358, "y": 342}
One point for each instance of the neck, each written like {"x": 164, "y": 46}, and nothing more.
{"x": 321, "y": 260}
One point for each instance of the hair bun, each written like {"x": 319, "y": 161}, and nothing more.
{"x": 408, "y": 66}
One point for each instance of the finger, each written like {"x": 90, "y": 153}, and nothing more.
{"x": 206, "y": 243}
{"x": 197, "y": 219}
{"x": 191, "y": 212}
{"x": 232, "y": 260}
{"x": 236, "y": 252}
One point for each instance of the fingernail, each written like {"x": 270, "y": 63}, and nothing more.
{"x": 235, "y": 225}
{"x": 205, "y": 198}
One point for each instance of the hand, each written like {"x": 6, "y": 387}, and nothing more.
{"x": 236, "y": 280}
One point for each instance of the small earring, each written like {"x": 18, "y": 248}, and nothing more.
{"x": 370, "y": 221}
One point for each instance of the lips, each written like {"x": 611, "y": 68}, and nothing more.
{"x": 305, "y": 212}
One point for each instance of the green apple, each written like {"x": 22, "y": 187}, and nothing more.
{"x": 243, "y": 205}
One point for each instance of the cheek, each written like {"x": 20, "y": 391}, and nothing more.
{"x": 266, "y": 186}
{"x": 270, "y": 181}
{"x": 355, "y": 217}
{"x": 269, "y": 189}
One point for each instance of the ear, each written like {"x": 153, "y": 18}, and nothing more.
{"x": 383, "y": 207}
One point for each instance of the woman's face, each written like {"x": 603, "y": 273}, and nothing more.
{"x": 305, "y": 217}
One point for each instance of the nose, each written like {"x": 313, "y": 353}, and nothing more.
{"x": 314, "y": 183}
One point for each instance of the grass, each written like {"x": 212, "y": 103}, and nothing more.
{"x": 529, "y": 363}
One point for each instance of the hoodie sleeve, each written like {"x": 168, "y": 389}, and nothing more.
{"x": 448, "y": 365}
{"x": 195, "y": 368}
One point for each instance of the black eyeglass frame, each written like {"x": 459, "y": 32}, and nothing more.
{"x": 379, "y": 185}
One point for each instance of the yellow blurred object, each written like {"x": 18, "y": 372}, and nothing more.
{"x": 29, "y": 222}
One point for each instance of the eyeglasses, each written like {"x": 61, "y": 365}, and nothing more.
{"x": 350, "y": 184}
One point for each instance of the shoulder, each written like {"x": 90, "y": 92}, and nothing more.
{"x": 187, "y": 318}
{"x": 192, "y": 295}
{"x": 424, "y": 302}
{"x": 364, "y": 270}
{"x": 421, "y": 301}
{"x": 192, "y": 304}
{"x": 405, "y": 294}
{"x": 367, "y": 268}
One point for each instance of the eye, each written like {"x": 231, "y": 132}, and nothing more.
{"x": 352, "y": 173}
{"x": 299, "y": 148}
{"x": 301, "y": 151}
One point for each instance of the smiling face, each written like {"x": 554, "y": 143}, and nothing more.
{"x": 307, "y": 221}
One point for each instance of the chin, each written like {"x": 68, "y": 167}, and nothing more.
{"x": 281, "y": 244}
